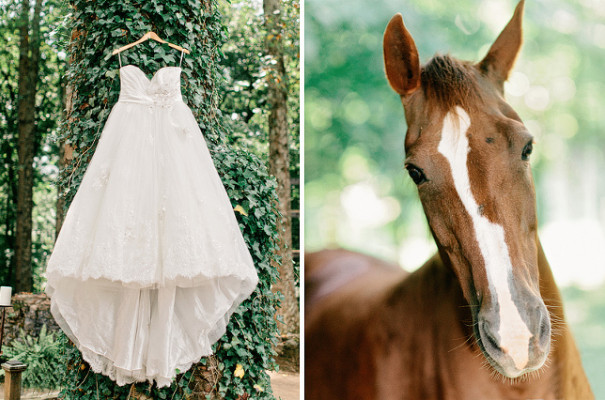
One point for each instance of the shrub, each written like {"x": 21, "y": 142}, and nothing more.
{"x": 42, "y": 356}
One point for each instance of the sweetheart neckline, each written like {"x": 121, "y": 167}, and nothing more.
{"x": 145, "y": 75}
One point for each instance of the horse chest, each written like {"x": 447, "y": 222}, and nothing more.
{"x": 464, "y": 377}
{"x": 385, "y": 336}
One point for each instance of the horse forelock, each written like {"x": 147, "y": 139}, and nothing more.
{"x": 449, "y": 82}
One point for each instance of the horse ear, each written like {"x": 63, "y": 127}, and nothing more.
{"x": 501, "y": 57}
{"x": 400, "y": 57}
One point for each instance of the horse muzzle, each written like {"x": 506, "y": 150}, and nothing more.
{"x": 515, "y": 341}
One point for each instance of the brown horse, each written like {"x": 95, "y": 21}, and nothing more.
{"x": 483, "y": 318}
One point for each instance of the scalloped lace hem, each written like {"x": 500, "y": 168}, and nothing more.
{"x": 241, "y": 270}
{"x": 121, "y": 376}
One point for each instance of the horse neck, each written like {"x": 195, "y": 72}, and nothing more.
{"x": 565, "y": 356}
{"x": 565, "y": 365}
{"x": 548, "y": 288}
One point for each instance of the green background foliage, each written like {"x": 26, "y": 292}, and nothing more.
{"x": 96, "y": 28}
{"x": 357, "y": 194}
{"x": 244, "y": 104}
{"x": 245, "y": 62}
{"x": 48, "y": 113}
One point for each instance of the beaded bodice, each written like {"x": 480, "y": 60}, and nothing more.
{"x": 160, "y": 91}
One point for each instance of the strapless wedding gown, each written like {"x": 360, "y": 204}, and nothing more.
{"x": 150, "y": 261}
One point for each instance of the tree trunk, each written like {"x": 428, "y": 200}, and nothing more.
{"x": 279, "y": 160}
{"x": 11, "y": 200}
{"x": 65, "y": 150}
{"x": 28, "y": 76}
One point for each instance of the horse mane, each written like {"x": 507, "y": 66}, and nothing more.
{"x": 449, "y": 82}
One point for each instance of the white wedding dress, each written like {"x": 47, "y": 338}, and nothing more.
{"x": 150, "y": 261}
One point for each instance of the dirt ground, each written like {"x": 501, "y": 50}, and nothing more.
{"x": 286, "y": 385}
{"x": 32, "y": 394}
{"x": 286, "y": 382}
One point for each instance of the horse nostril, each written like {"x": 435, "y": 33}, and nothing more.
{"x": 541, "y": 324}
{"x": 540, "y": 342}
{"x": 545, "y": 329}
{"x": 489, "y": 337}
{"x": 492, "y": 341}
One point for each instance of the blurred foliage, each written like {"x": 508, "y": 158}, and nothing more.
{"x": 585, "y": 311}
{"x": 356, "y": 192}
{"x": 354, "y": 127}
{"x": 48, "y": 113}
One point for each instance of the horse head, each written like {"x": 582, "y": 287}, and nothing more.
{"x": 468, "y": 153}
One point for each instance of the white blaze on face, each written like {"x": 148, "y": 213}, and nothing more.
{"x": 513, "y": 332}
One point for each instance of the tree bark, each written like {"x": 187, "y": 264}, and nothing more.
{"x": 279, "y": 160}
{"x": 26, "y": 104}
{"x": 65, "y": 149}
{"x": 11, "y": 200}
{"x": 8, "y": 151}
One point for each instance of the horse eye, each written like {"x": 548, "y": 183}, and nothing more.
{"x": 529, "y": 147}
{"x": 416, "y": 174}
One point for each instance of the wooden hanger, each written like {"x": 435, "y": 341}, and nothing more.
{"x": 147, "y": 36}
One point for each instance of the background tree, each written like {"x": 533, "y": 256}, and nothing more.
{"x": 29, "y": 59}
{"x": 248, "y": 70}
{"x": 279, "y": 158}
{"x": 36, "y": 116}
{"x": 244, "y": 354}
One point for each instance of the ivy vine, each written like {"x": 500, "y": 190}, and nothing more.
{"x": 238, "y": 368}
